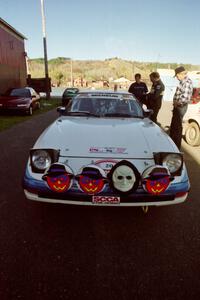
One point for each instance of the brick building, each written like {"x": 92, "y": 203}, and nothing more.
{"x": 12, "y": 57}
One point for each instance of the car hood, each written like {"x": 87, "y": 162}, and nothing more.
{"x": 13, "y": 99}
{"x": 116, "y": 138}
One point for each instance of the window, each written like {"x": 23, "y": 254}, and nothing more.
{"x": 106, "y": 106}
{"x": 20, "y": 93}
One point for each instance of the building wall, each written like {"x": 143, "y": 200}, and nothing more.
{"x": 12, "y": 60}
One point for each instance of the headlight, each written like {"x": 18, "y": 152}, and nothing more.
{"x": 41, "y": 159}
{"x": 173, "y": 161}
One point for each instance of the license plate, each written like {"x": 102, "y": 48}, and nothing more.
{"x": 105, "y": 200}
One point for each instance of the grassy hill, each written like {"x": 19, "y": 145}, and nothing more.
{"x": 94, "y": 70}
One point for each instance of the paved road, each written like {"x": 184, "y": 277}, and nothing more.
{"x": 54, "y": 252}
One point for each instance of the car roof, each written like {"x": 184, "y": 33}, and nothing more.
{"x": 105, "y": 94}
{"x": 21, "y": 88}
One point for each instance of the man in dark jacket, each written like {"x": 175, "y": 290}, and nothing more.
{"x": 154, "y": 98}
{"x": 138, "y": 88}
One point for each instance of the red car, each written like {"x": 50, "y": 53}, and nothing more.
{"x": 20, "y": 99}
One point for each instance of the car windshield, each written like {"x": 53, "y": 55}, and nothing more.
{"x": 70, "y": 92}
{"x": 105, "y": 107}
{"x": 20, "y": 92}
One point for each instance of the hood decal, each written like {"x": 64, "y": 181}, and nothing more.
{"x": 113, "y": 150}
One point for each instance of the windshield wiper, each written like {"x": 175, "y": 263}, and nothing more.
{"x": 81, "y": 113}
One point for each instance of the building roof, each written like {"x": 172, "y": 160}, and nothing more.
{"x": 8, "y": 26}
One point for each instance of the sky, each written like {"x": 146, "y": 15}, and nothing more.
{"x": 142, "y": 30}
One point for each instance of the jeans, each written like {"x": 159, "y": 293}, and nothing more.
{"x": 176, "y": 126}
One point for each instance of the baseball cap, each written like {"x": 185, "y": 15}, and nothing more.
{"x": 179, "y": 70}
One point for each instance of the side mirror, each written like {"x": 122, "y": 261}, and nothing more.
{"x": 61, "y": 110}
{"x": 148, "y": 113}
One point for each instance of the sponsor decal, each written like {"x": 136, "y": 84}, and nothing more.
{"x": 113, "y": 150}
{"x": 105, "y": 200}
{"x": 106, "y": 165}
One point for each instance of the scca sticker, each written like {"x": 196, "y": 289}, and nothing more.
{"x": 105, "y": 200}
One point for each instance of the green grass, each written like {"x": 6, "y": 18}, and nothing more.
{"x": 8, "y": 121}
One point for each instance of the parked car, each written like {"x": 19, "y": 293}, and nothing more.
{"x": 68, "y": 94}
{"x": 191, "y": 120}
{"x": 23, "y": 100}
{"x": 195, "y": 95}
{"x": 104, "y": 150}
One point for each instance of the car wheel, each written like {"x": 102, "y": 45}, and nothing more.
{"x": 192, "y": 134}
{"x": 30, "y": 111}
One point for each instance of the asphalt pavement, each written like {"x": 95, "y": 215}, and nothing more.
{"x": 50, "y": 251}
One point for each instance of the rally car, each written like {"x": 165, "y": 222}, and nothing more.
{"x": 104, "y": 150}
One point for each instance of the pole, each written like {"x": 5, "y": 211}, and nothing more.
{"x": 45, "y": 51}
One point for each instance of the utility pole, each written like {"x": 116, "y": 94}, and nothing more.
{"x": 45, "y": 51}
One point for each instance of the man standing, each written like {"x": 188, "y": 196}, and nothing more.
{"x": 181, "y": 99}
{"x": 154, "y": 98}
{"x": 138, "y": 88}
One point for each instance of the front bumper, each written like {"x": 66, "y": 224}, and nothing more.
{"x": 133, "y": 200}
{"x": 14, "y": 109}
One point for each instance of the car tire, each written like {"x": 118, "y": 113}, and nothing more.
{"x": 30, "y": 111}
{"x": 192, "y": 134}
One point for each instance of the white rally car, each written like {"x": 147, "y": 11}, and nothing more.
{"x": 191, "y": 123}
{"x": 104, "y": 150}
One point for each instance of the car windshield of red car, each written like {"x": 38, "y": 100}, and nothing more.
{"x": 20, "y": 93}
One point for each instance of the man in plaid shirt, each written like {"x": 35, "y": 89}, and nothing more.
{"x": 181, "y": 99}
